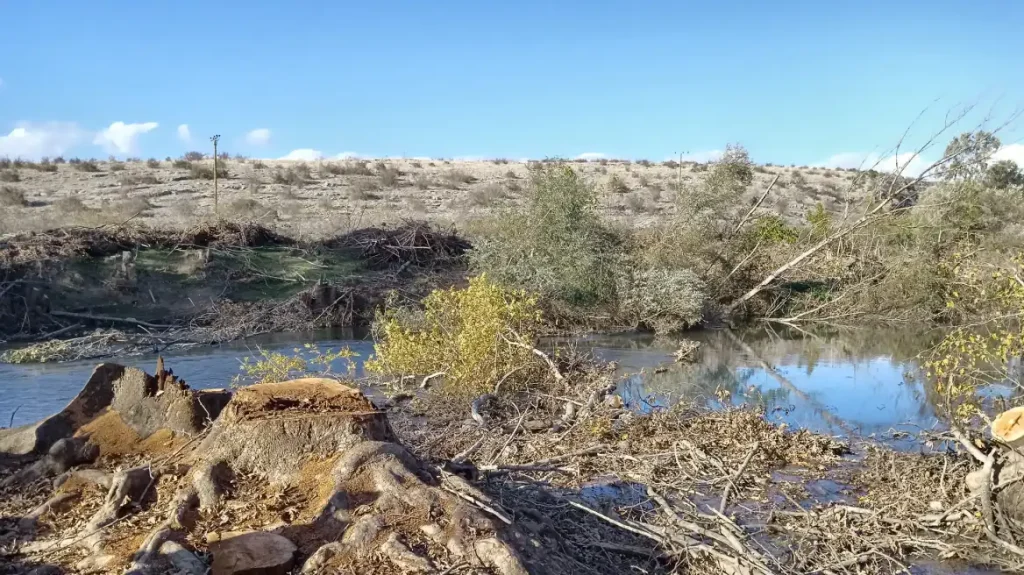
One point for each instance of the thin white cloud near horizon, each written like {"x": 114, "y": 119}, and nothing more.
{"x": 32, "y": 141}
{"x": 123, "y": 138}
{"x": 184, "y": 133}
{"x": 592, "y": 156}
{"x": 258, "y": 137}
{"x": 303, "y": 154}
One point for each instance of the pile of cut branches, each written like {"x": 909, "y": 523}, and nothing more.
{"x": 412, "y": 243}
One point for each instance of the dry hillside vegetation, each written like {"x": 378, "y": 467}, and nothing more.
{"x": 314, "y": 200}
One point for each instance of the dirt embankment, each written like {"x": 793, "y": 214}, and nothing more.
{"x": 211, "y": 283}
{"x": 142, "y": 474}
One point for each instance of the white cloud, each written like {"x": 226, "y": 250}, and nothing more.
{"x": 258, "y": 137}
{"x": 592, "y": 156}
{"x": 33, "y": 141}
{"x": 908, "y": 163}
{"x": 847, "y": 160}
{"x": 350, "y": 156}
{"x": 123, "y": 138}
{"x": 468, "y": 159}
{"x": 304, "y": 154}
{"x": 184, "y": 134}
{"x": 1014, "y": 152}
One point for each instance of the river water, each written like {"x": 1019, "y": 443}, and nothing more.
{"x": 864, "y": 382}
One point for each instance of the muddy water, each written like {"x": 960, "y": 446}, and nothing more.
{"x": 859, "y": 382}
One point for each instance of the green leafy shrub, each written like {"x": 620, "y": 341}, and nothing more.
{"x": 771, "y": 229}
{"x": 1004, "y": 174}
{"x": 476, "y": 336}
{"x": 556, "y": 245}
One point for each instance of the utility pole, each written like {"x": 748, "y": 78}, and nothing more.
{"x": 214, "y": 139}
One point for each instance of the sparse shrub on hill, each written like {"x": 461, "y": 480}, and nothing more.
{"x": 617, "y": 185}
{"x": 205, "y": 172}
{"x": 389, "y": 175}
{"x": 11, "y": 197}
{"x": 456, "y": 178}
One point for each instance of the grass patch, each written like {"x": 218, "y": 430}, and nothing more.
{"x": 10, "y": 176}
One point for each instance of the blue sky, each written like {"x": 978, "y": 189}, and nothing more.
{"x": 795, "y": 82}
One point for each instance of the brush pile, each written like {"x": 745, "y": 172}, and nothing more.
{"x": 410, "y": 244}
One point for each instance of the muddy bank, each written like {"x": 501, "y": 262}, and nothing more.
{"x": 142, "y": 473}
{"x": 130, "y": 289}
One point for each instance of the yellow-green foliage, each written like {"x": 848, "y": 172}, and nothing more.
{"x": 475, "y": 335}
{"x": 976, "y": 355}
{"x": 307, "y": 361}
{"x": 771, "y": 229}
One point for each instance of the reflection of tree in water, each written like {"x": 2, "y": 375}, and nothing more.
{"x": 725, "y": 369}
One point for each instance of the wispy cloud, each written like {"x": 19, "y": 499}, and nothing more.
{"x": 258, "y": 137}
{"x": 121, "y": 138}
{"x": 1013, "y": 152}
{"x": 184, "y": 134}
{"x": 349, "y": 156}
{"x": 33, "y": 141}
{"x": 592, "y": 156}
{"x": 304, "y": 154}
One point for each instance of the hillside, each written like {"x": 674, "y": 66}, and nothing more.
{"x": 314, "y": 200}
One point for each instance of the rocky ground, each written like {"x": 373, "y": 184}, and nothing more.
{"x": 325, "y": 198}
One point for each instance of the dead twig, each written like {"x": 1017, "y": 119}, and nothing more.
{"x": 730, "y": 485}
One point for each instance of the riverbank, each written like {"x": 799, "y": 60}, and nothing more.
{"x": 558, "y": 477}
{"x": 127, "y": 289}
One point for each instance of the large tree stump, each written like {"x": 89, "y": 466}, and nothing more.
{"x": 372, "y": 497}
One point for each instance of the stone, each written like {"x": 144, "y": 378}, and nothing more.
{"x": 253, "y": 553}
{"x": 184, "y": 561}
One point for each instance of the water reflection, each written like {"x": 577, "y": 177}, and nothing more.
{"x": 865, "y": 381}
{"x": 39, "y": 390}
